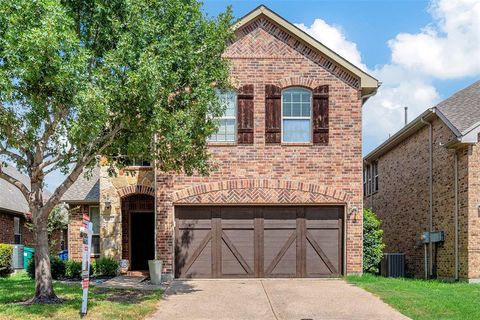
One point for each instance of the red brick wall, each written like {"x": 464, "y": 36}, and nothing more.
{"x": 74, "y": 238}
{"x": 473, "y": 213}
{"x": 259, "y": 58}
{"x": 7, "y": 231}
{"x": 402, "y": 201}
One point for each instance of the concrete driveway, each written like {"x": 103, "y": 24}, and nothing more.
{"x": 268, "y": 299}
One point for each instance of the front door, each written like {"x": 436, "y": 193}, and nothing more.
{"x": 142, "y": 239}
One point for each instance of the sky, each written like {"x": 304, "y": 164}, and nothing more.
{"x": 421, "y": 51}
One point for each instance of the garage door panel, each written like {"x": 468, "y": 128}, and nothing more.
{"x": 288, "y": 241}
{"x": 238, "y": 252}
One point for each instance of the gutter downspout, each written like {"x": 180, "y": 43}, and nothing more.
{"x": 430, "y": 193}
{"x": 155, "y": 198}
{"x": 457, "y": 264}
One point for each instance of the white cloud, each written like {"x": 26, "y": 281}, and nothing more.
{"x": 448, "y": 48}
{"x": 334, "y": 38}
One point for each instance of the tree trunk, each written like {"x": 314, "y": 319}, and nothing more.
{"x": 43, "y": 275}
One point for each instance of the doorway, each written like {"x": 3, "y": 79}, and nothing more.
{"x": 142, "y": 239}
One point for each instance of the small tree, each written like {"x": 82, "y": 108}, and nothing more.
{"x": 57, "y": 221}
{"x": 372, "y": 242}
{"x": 79, "y": 79}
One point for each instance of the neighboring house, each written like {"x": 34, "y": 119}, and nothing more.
{"x": 284, "y": 198}
{"x": 13, "y": 210}
{"x": 14, "y": 214}
{"x": 414, "y": 190}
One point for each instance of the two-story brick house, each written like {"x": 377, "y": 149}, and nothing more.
{"x": 284, "y": 198}
{"x": 426, "y": 178}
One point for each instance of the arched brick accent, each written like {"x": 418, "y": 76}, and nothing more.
{"x": 297, "y": 82}
{"x": 136, "y": 189}
{"x": 259, "y": 191}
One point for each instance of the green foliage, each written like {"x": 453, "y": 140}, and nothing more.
{"x": 6, "y": 251}
{"x": 73, "y": 269}
{"x": 106, "y": 267}
{"x": 57, "y": 268}
{"x": 372, "y": 242}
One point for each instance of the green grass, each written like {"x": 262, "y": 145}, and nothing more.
{"x": 102, "y": 303}
{"x": 422, "y": 299}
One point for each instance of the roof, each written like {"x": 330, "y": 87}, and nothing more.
{"x": 368, "y": 83}
{"x": 12, "y": 199}
{"x": 86, "y": 189}
{"x": 460, "y": 112}
{"x": 463, "y": 108}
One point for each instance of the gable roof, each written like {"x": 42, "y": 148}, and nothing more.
{"x": 463, "y": 108}
{"x": 460, "y": 112}
{"x": 85, "y": 189}
{"x": 11, "y": 199}
{"x": 368, "y": 84}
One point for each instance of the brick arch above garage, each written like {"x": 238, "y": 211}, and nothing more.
{"x": 253, "y": 191}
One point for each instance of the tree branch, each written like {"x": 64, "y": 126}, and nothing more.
{"x": 19, "y": 159}
{"x": 17, "y": 183}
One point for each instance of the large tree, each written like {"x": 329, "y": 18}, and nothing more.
{"x": 79, "y": 79}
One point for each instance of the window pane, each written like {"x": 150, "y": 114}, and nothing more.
{"x": 95, "y": 219}
{"x": 296, "y": 130}
{"x": 287, "y": 97}
{"x": 95, "y": 245}
{"x": 287, "y": 109}
{"x": 306, "y": 97}
{"x": 305, "y": 109}
{"x": 295, "y": 96}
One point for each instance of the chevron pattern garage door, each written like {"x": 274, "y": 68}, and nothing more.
{"x": 267, "y": 241}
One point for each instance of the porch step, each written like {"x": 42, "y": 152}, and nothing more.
{"x": 137, "y": 273}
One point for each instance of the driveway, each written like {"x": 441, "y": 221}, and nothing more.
{"x": 269, "y": 299}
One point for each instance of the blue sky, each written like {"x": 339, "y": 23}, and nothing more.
{"x": 422, "y": 51}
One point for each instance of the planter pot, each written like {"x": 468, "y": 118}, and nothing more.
{"x": 155, "y": 268}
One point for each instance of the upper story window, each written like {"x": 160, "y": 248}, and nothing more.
{"x": 227, "y": 122}
{"x": 296, "y": 115}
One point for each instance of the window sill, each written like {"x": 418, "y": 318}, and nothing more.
{"x": 297, "y": 144}
{"x": 222, "y": 144}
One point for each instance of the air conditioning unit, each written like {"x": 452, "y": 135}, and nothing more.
{"x": 393, "y": 265}
{"x": 17, "y": 256}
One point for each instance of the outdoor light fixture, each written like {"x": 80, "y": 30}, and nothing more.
{"x": 108, "y": 203}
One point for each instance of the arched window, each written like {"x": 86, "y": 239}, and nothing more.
{"x": 296, "y": 115}
{"x": 227, "y": 122}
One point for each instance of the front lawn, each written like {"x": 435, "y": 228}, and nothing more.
{"x": 421, "y": 299}
{"x": 102, "y": 303}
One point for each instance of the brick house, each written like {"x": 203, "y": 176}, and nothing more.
{"x": 284, "y": 198}
{"x": 426, "y": 177}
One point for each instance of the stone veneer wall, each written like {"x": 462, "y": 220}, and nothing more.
{"x": 279, "y": 173}
{"x": 402, "y": 200}
{"x": 126, "y": 182}
{"x": 474, "y": 212}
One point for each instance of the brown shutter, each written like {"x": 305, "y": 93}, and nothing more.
{"x": 273, "y": 113}
{"x": 245, "y": 114}
{"x": 320, "y": 115}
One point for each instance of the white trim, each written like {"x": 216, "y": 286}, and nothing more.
{"x": 297, "y": 117}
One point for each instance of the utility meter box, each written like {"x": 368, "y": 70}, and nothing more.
{"x": 433, "y": 237}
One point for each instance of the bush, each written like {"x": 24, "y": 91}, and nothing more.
{"x": 6, "y": 251}
{"x": 372, "y": 242}
{"x": 106, "y": 267}
{"x": 57, "y": 267}
{"x": 73, "y": 269}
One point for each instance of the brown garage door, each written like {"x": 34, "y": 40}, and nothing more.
{"x": 229, "y": 242}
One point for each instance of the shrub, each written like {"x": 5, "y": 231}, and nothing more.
{"x": 73, "y": 269}
{"x": 6, "y": 251}
{"x": 372, "y": 242}
{"x": 106, "y": 267}
{"x": 57, "y": 267}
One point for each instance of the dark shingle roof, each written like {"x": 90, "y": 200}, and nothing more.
{"x": 11, "y": 198}
{"x": 85, "y": 189}
{"x": 463, "y": 108}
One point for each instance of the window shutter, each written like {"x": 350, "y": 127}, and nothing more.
{"x": 273, "y": 113}
{"x": 245, "y": 114}
{"x": 320, "y": 115}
